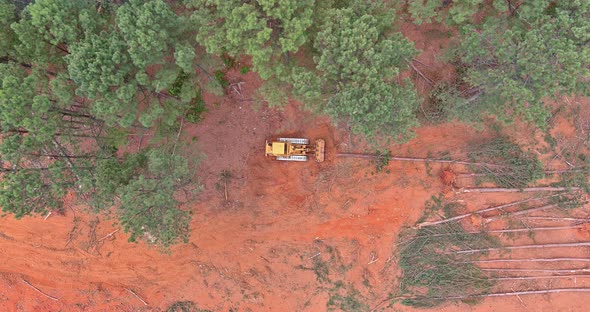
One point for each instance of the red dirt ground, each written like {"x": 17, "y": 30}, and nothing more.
{"x": 256, "y": 251}
{"x": 250, "y": 253}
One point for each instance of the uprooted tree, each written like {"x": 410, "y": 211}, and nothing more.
{"x": 441, "y": 261}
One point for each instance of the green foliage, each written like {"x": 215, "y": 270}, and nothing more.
{"x": 150, "y": 115}
{"x": 427, "y": 11}
{"x": 355, "y": 56}
{"x": 521, "y": 59}
{"x": 244, "y": 70}
{"x": 180, "y": 80}
{"x": 101, "y": 68}
{"x": 341, "y": 296}
{"x": 502, "y": 6}
{"x": 31, "y": 191}
{"x": 48, "y": 27}
{"x": 30, "y": 122}
{"x": 171, "y": 111}
{"x": 264, "y": 29}
{"x": 185, "y": 56}
{"x": 196, "y": 109}
{"x": 221, "y": 80}
{"x": 382, "y": 161}
{"x": 148, "y": 207}
{"x": 109, "y": 175}
{"x": 320, "y": 268}
{"x": 432, "y": 207}
{"x": 377, "y": 108}
{"x": 185, "y": 306}
{"x": 114, "y": 139}
{"x": 347, "y": 302}
{"x": 577, "y": 178}
{"x": 351, "y": 46}
{"x": 228, "y": 61}
{"x": 148, "y": 27}
{"x": 431, "y": 271}
{"x": 73, "y": 81}
{"x": 462, "y": 11}
{"x": 8, "y": 38}
{"x": 62, "y": 90}
{"x": 33, "y": 109}
{"x": 23, "y": 110}
{"x": 115, "y": 67}
{"x": 306, "y": 84}
{"x": 359, "y": 61}
{"x": 505, "y": 163}
{"x": 442, "y": 97}
{"x": 274, "y": 93}
{"x": 60, "y": 22}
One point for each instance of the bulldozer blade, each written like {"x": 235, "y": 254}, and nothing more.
{"x": 320, "y": 147}
{"x": 293, "y": 158}
{"x": 294, "y": 140}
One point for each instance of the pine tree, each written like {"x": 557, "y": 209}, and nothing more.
{"x": 72, "y": 78}
{"x": 358, "y": 62}
{"x": 267, "y": 30}
{"x": 521, "y": 59}
{"x": 148, "y": 208}
{"x": 460, "y": 11}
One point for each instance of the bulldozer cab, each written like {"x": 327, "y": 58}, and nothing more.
{"x": 277, "y": 148}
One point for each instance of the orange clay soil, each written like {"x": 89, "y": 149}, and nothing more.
{"x": 289, "y": 237}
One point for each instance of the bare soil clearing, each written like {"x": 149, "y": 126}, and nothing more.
{"x": 257, "y": 250}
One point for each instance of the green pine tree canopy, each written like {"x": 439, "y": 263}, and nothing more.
{"x": 525, "y": 56}
{"x": 78, "y": 76}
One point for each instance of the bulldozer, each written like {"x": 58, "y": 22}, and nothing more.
{"x": 295, "y": 149}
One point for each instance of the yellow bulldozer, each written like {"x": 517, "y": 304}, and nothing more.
{"x": 295, "y": 149}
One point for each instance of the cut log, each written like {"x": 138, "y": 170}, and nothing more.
{"x": 500, "y": 294}
{"x": 518, "y": 190}
{"x": 546, "y": 218}
{"x": 519, "y": 293}
{"x": 538, "y": 246}
{"x": 528, "y": 260}
{"x": 461, "y": 175}
{"x": 521, "y": 230}
{"x": 556, "y": 271}
{"x": 527, "y": 211}
{"x": 525, "y": 278}
{"x": 39, "y": 290}
{"x": 459, "y": 217}
{"x": 417, "y": 159}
